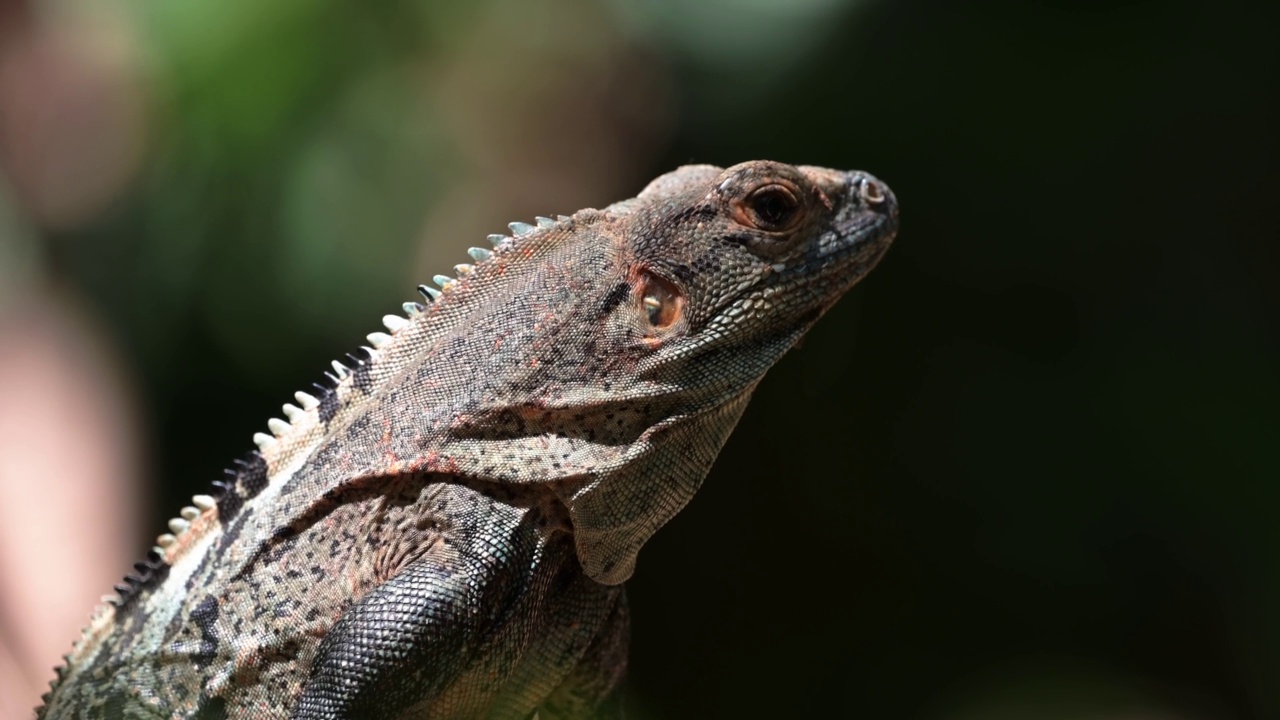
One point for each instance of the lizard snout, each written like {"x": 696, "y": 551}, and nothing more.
{"x": 871, "y": 194}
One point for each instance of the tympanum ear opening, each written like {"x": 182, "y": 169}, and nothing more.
{"x": 661, "y": 300}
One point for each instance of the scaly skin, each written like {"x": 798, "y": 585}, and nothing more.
{"x": 444, "y": 533}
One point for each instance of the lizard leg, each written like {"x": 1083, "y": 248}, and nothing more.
{"x": 408, "y": 640}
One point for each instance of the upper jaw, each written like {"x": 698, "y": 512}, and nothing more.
{"x": 864, "y": 223}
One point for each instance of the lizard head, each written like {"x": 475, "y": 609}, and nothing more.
{"x": 724, "y": 270}
{"x": 737, "y": 257}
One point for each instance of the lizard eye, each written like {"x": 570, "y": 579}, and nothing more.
{"x": 663, "y": 304}
{"x": 771, "y": 208}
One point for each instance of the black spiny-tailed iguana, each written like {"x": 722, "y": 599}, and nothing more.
{"x": 444, "y": 531}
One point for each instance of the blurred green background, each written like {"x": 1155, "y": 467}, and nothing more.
{"x": 1028, "y": 469}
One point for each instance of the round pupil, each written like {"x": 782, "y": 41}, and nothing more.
{"x": 773, "y": 206}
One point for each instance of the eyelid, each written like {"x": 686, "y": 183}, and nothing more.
{"x": 773, "y": 186}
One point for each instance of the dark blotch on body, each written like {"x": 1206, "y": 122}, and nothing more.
{"x": 329, "y": 406}
{"x": 205, "y": 616}
{"x": 211, "y": 708}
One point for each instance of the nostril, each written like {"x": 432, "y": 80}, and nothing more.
{"x": 871, "y": 192}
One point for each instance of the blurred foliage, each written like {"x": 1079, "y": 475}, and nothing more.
{"x": 1027, "y": 470}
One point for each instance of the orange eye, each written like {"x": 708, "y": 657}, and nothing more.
{"x": 771, "y": 208}
{"x": 663, "y": 304}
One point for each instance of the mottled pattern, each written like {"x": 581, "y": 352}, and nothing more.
{"x": 443, "y": 530}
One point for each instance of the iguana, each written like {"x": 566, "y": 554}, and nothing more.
{"x": 444, "y": 529}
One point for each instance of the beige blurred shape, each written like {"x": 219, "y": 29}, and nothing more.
{"x": 72, "y": 116}
{"x": 69, "y": 469}
{"x": 71, "y": 137}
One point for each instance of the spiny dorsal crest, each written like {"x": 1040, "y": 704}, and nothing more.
{"x": 304, "y": 421}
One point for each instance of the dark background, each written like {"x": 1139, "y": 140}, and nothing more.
{"x": 1027, "y": 469}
